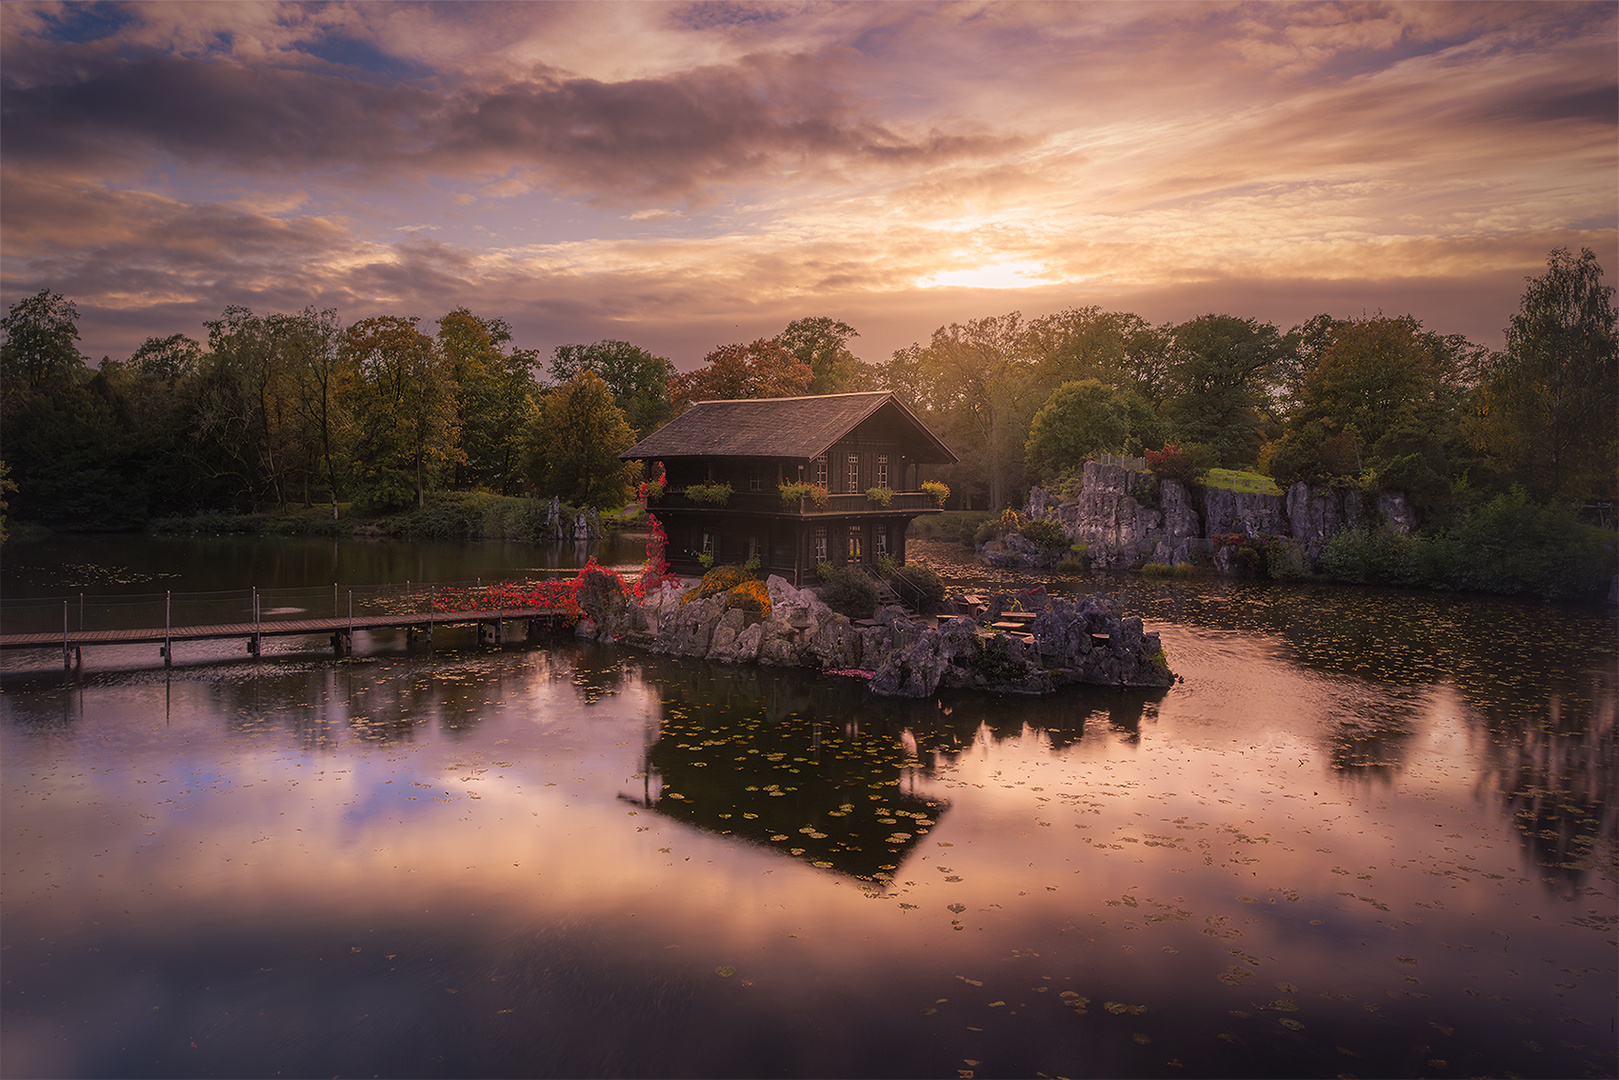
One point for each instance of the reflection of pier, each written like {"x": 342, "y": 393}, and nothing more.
{"x": 494, "y": 624}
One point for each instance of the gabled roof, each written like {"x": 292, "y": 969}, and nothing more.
{"x": 801, "y": 428}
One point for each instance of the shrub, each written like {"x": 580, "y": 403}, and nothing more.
{"x": 709, "y": 494}
{"x": 1046, "y": 532}
{"x": 751, "y": 595}
{"x": 940, "y": 492}
{"x": 850, "y": 592}
{"x": 989, "y": 530}
{"x": 1183, "y": 463}
{"x": 879, "y": 496}
{"x": 919, "y": 586}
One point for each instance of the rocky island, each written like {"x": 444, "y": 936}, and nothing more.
{"x": 1027, "y": 643}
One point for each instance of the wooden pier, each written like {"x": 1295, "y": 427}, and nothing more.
{"x": 490, "y": 623}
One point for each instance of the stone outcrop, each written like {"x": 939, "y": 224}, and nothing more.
{"x": 1127, "y": 518}
{"x": 1067, "y": 642}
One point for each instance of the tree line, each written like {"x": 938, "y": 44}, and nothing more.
{"x": 297, "y": 410}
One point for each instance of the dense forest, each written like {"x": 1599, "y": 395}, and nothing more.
{"x": 288, "y": 410}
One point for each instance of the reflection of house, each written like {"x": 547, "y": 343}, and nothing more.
{"x": 844, "y": 444}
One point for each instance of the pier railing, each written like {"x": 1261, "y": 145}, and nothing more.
{"x": 78, "y": 611}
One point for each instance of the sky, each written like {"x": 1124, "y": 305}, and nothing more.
{"x": 685, "y": 175}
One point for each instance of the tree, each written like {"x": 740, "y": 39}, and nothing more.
{"x": 638, "y": 380}
{"x": 324, "y": 376}
{"x": 973, "y": 384}
{"x": 822, "y": 344}
{"x": 1083, "y": 418}
{"x": 404, "y": 403}
{"x": 1377, "y": 393}
{"x": 1114, "y": 347}
{"x": 575, "y": 443}
{"x": 763, "y": 369}
{"x": 1218, "y": 368}
{"x": 1549, "y": 402}
{"x": 495, "y": 398}
{"x": 40, "y": 332}
{"x": 250, "y": 409}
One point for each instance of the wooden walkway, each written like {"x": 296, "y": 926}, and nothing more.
{"x": 340, "y": 628}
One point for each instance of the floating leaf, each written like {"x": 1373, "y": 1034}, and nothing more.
{"x": 725, "y": 971}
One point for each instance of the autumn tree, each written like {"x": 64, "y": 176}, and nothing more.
{"x": 575, "y": 442}
{"x": 762, "y": 369}
{"x": 404, "y": 405}
{"x": 1548, "y": 403}
{"x": 638, "y": 380}
{"x": 823, "y": 344}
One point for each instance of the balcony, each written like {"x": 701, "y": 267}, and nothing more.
{"x": 770, "y": 502}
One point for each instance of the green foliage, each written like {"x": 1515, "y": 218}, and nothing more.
{"x": 940, "y": 492}
{"x": 479, "y": 515}
{"x": 638, "y": 380}
{"x": 1157, "y": 569}
{"x": 920, "y": 586}
{"x": 1510, "y": 545}
{"x": 793, "y": 491}
{"x": 879, "y": 496}
{"x": 952, "y": 526}
{"x": 575, "y": 445}
{"x": 709, "y": 494}
{"x": 1547, "y": 406}
{"x": 1238, "y": 480}
{"x": 40, "y": 332}
{"x": 849, "y": 591}
{"x": 762, "y": 369}
{"x": 1078, "y": 421}
{"x": 1219, "y": 367}
{"x": 1044, "y": 532}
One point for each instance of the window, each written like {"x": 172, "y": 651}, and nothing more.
{"x": 855, "y": 547}
{"x": 753, "y": 477}
{"x": 879, "y": 540}
{"x": 854, "y": 472}
{"x": 753, "y": 548}
{"x": 882, "y": 470}
{"x": 820, "y": 544}
{"x": 820, "y": 471}
{"x": 708, "y": 542}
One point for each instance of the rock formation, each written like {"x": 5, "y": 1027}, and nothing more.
{"x": 1129, "y": 518}
{"x": 1067, "y": 642}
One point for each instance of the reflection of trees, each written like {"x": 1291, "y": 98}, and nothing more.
{"x": 1556, "y": 772}
{"x": 789, "y": 762}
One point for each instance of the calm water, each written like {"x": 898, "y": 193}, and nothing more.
{"x": 1371, "y": 834}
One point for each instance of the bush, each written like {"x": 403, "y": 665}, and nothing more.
{"x": 1183, "y": 463}
{"x": 940, "y": 492}
{"x": 1510, "y": 545}
{"x": 1045, "y": 532}
{"x": 989, "y": 529}
{"x": 850, "y": 592}
{"x": 879, "y": 496}
{"x": 919, "y": 586}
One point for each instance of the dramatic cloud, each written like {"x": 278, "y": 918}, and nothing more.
{"x": 684, "y": 175}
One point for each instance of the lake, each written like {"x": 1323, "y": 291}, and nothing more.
{"x": 1372, "y": 833}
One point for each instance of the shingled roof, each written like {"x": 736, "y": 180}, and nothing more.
{"x": 800, "y": 428}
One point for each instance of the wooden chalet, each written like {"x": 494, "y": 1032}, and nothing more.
{"x": 846, "y": 444}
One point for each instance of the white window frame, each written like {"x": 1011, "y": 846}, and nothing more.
{"x": 854, "y": 472}
{"x": 882, "y": 470}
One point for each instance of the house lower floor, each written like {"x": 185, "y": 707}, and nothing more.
{"x": 788, "y": 545}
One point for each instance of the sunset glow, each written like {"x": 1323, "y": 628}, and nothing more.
{"x": 683, "y": 175}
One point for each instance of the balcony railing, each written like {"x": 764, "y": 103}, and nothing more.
{"x": 771, "y": 502}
